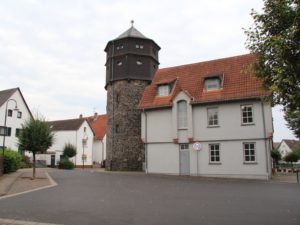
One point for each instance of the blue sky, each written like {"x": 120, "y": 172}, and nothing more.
{"x": 53, "y": 49}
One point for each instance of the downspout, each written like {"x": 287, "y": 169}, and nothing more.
{"x": 265, "y": 138}
{"x": 146, "y": 150}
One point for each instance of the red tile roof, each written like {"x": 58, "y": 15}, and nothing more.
{"x": 238, "y": 82}
{"x": 98, "y": 124}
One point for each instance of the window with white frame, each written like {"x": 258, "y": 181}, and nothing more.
{"x": 212, "y": 115}
{"x": 214, "y": 153}
{"x": 212, "y": 83}
{"x": 182, "y": 114}
{"x": 163, "y": 90}
{"x": 247, "y": 114}
{"x": 184, "y": 147}
{"x": 249, "y": 152}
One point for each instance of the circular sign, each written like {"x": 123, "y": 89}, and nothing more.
{"x": 197, "y": 146}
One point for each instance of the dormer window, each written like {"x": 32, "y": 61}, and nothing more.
{"x": 119, "y": 63}
{"x": 212, "y": 83}
{"x": 139, "y": 46}
{"x": 139, "y": 62}
{"x": 163, "y": 90}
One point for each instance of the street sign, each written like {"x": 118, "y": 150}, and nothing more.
{"x": 197, "y": 146}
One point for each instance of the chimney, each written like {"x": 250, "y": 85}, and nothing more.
{"x": 95, "y": 115}
{"x": 80, "y": 116}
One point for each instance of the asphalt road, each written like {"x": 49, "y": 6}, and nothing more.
{"x": 93, "y": 198}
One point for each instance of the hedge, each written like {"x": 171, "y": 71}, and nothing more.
{"x": 12, "y": 160}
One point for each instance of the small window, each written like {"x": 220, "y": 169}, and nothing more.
{"x": 18, "y": 132}
{"x": 212, "y": 115}
{"x": 139, "y": 62}
{"x": 19, "y": 114}
{"x": 119, "y": 63}
{"x": 182, "y": 114}
{"x": 212, "y": 83}
{"x": 2, "y": 131}
{"x": 247, "y": 114}
{"x": 139, "y": 46}
{"x": 184, "y": 147}
{"x": 9, "y": 112}
{"x": 163, "y": 90}
{"x": 120, "y": 47}
{"x": 249, "y": 152}
{"x": 214, "y": 152}
{"x": 117, "y": 128}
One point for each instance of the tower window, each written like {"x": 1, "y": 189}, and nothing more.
{"x": 212, "y": 83}
{"x": 119, "y": 63}
{"x": 120, "y": 47}
{"x": 139, "y": 62}
{"x": 139, "y": 46}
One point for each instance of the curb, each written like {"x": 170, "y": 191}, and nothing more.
{"x": 9, "y": 180}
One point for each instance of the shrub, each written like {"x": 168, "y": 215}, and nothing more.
{"x": 66, "y": 164}
{"x": 291, "y": 157}
{"x": 12, "y": 160}
{"x": 69, "y": 150}
{"x": 26, "y": 162}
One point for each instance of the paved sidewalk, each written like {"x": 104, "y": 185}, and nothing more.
{"x": 285, "y": 177}
{"x": 19, "y": 222}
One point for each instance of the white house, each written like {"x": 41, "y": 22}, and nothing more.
{"x": 99, "y": 124}
{"x": 14, "y": 111}
{"x": 77, "y": 132}
{"x": 286, "y": 146}
{"x": 207, "y": 119}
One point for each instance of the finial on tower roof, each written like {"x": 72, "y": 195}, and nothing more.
{"x": 132, "y": 21}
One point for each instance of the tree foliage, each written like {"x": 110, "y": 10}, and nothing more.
{"x": 69, "y": 150}
{"x": 275, "y": 40}
{"x": 291, "y": 157}
{"x": 276, "y": 156}
{"x": 35, "y": 137}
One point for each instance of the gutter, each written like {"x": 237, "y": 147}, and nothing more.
{"x": 265, "y": 139}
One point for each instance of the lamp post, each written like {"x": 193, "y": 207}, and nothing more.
{"x": 5, "y": 128}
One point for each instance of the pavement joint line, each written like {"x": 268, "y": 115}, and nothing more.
{"x": 52, "y": 184}
{"x": 22, "y": 222}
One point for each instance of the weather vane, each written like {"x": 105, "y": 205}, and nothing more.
{"x": 132, "y": 21}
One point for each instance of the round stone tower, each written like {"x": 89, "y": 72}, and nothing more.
{"x": 132, "y": 60}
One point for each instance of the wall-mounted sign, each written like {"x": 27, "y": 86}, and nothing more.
{"x": 197, "y": 146}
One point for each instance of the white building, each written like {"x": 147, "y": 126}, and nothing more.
{"x": 215, "y": 104}
{"x": 286, "y": 146}
{"x": 77, "y": 132}
{"x": 99, "y": 124}
{"x": 17, "y": 113}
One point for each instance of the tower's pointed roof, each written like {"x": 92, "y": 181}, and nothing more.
{"x": 132, "y": 32}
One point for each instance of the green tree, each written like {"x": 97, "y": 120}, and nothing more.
{"x": 69, "y": 150}
{"x": 275, "y": 40}
{"x": 36, "y": 137}
{"x": 291, "y": 157}
{"x": 276, "y": 156}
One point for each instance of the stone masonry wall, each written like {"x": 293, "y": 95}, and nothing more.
{"x": 125, "y": 150}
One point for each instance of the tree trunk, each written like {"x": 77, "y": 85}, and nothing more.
{"x": 33, "y": 167}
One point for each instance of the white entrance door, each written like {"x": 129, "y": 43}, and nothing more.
{"x": 184, "y": 159}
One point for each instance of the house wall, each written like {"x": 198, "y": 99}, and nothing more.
{"x": 75, "y": 138}
{"x": 284, "y": 149}
{"x": 159, "y": 131}
{"x": 13, "y": 122}
{"x": 99, "y": 153}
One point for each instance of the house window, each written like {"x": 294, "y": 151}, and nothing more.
{"x": 5, "y": 132}
{"x": 19, "y": 114}
{"x": 2, "y": 131}
{"x": 183, "y": 147}
{"x": 212, "y": 115}
{"x": 182, "y": 114}
{"x": 9, "y": 112}
{"x": 139, "y": 62}
{"x": 212, "y": 83}
{"x": 214, "y": 153}
{"x": 249, "y": 152}
{"x": 18, "y": 132}
{"x": 163, "y": 90}
{"x": 119, "y": 63}
{"x": 247, "y": 114}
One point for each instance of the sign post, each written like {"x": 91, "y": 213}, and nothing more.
{"x": 197, "y": 147}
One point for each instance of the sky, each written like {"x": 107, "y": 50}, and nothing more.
{"x": 54, "y": 49}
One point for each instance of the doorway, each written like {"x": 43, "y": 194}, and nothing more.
{"x": 184, "y": 159}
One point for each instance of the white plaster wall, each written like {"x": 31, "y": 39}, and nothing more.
{"x": 61, "y": 138}
{"x": 13, "y": 122}
{"x": 230, "y": 123}
{"x": 99, "y": 152}
{"x": 284, "y": 149}
{"x": 163, "y": 158}
{"x": 231, "y": 161}
{"x": 88, "y": 150}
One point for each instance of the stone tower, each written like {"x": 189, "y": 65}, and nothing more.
{"x": 131, "y": 62}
